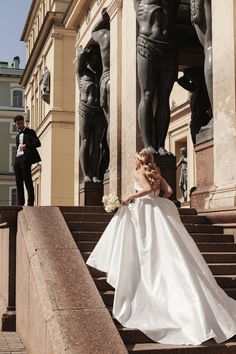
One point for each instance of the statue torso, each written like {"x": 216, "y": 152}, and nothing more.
{"x": 156, "y": 21}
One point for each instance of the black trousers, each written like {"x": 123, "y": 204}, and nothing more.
{"x": 23, "y": 175}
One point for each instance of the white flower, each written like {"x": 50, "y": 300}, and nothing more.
{"x": 111, "y": 202}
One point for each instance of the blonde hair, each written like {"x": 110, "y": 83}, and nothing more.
{"x": 152, "y": 172}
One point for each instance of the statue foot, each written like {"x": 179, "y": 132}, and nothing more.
{"x": 87, "y": 179}
{"x": 163, "y": 152}
{"x": 209, "y": 125}
{"x": 96, "y": 180}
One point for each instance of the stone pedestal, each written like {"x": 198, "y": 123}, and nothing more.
{"x": 90, "y": 194}
{"x": 204, "y": 169}
{"x": 167, "y": 166}
{"x": 8, "y": 219}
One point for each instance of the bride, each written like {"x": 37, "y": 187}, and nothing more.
{"x": 163, "y": 286}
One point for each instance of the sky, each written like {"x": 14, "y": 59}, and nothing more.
{"x": 13, "y": 14}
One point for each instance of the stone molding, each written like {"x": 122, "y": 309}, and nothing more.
{"x": 114, "y": 7}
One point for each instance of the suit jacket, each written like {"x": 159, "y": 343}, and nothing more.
{"x": 32, "y": 142}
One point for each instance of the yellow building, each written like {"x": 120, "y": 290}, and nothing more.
{"x": 49, "y": 45}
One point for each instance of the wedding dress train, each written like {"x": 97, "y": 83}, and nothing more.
{"x": 163, "y": 286}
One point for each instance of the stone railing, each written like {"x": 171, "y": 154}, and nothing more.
{"x": 11, "y": 72}
{"x": 58, "y": 307}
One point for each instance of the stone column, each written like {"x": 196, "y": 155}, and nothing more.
{"x": 115, "y": 13}
{"x": 129, "y": 96}
{"x": 223, "y": 192}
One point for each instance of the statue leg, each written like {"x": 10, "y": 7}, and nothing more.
{"x": 166, "y": 79}
{"x": 107, "y": 113}
{"x": 208, "y": 73}
{"x": 146, "y": 76}
{"x": 98, "y": 133}
{"x": 84, "y": 154}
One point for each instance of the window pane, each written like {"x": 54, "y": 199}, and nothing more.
{"x": 13, "y": 196}
{"x": 13, "y": 155}
{"x": 17, "y": 98}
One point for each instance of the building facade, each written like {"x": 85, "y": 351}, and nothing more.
{"x": 11, "y": 104}
{"x": 49, "y": 82}
{"x": 54, "y": 31}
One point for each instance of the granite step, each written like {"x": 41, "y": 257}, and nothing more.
{"x": 98, "y": 217}
{"x": 133, "y": 335}
{"x": 222, "y": 268}
{"x": 216, "y": 247}
{"x": 209, "y": 229}
{"x": 210, "y": 257}
{"x": 86, "y": 235}
{"x": 187, "y": 211}
{"x": 95, "y": 273}
{"x": 108, "y": 295}
{"x": 87, "y": 226}
{"x": 88, "y": 217}
{"x": 209, "y": 347}
{"x": 216, "y": 238}
{"x": 102, "y": 285}
{"x": 198, "y": 237}
{"x": 101, "y": 225}
{"x": 219, "y": 257}
{"x": 100, "y": 209}
{"x": 81, "y": 209}
{"x": 194, "y": 219}
{"x": 224, "y": 281}
{"x": 88, "y": 246}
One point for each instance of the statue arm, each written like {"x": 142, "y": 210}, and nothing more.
{"x": 186, "y": 84}
{"x": 179, "y": 162}
{"x": 81, "y": 62}
{"x": 136, "y": 5}
{"x": 102, "y": 24}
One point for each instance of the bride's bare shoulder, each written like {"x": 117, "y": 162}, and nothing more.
{"x": 138, "y": 173}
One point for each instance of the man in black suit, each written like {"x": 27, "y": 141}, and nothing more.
{"x": 27, "y": 143}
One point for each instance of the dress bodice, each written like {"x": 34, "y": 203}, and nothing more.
{"x": 138, "y": 188}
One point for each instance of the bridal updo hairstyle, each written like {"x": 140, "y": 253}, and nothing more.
{"x": 152, "y": 172}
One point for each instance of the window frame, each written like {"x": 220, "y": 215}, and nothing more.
{"x": 11, "y": 188}
{"x": 11, "y": 161}
{"x": 14, "y": 89}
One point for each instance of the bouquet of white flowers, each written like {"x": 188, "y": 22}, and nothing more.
{"x": 111, "y": 202}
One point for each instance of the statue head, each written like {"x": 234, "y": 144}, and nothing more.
{"x": 106, "y": 18}
{"x": 183, "y": 151}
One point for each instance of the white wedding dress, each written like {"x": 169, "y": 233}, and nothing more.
{"x": 163, "y": 286}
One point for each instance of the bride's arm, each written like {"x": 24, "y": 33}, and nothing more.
{"x": 166, "y": 188}
{"x": 143, "y": 182}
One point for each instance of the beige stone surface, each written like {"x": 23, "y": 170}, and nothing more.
{"x": 4, "y": 269}
{"x": 58, "y": 304}
{"x": 129, "y": 97}
{"x": 223, "y": 194}
{"x": 115, "y": 13}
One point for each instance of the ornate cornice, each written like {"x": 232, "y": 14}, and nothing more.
{"x": 114, "y": 7}
{"x": 51, "y": 19}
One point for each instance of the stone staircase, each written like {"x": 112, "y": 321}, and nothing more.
{"x": 219, "y": 250}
